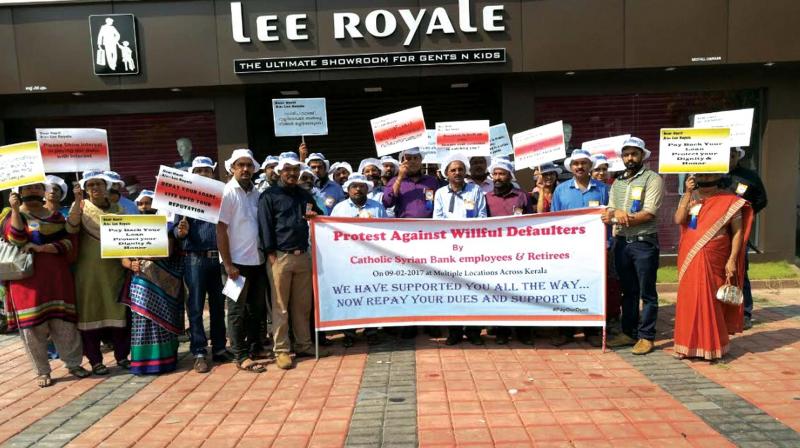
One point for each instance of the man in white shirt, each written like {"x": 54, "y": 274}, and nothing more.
{"x": 237, "y": 241}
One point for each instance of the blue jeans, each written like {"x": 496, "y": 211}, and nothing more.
{"x": 637, "y": 265}
{"x": 746, "y": 292}
{"x": 203, "y": 276}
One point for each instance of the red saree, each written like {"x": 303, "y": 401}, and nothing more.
{"x": 703, "y": 323}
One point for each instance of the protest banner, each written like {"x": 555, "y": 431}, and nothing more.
{"x": 73, "y": 150}
{"x": 531, "y": 270}
{"x": 470, "y": 138}
{"x": 399, "y": 131}
{"x": 499, "y": 141}
{"x": 609, "y": 147}
{"x": 132, "y": 236}
{"x": 694, "y": 150}
{"x": 539, "y": 145}
{"x": 188, "y": 194}
{"x": 296, "y": 117}
{"x": 740, "y": 122}
{"x": 20, "y": 164}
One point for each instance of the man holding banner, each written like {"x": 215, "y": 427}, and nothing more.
{"x": 581, "y": 192}
{"x": 331, "y": 192}
{"x": 634, "y": 201}
{"x": 507, "y": 200}
{"x": 284, "y": 237}
{"x": 459, "y": 200}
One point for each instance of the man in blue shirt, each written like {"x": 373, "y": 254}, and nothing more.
{"x": 459, "y": 200}
{"x": 202, "y": 274}
{"x": 358, "y": 205}
{"x": 580, "y": 192}
{"x": 328, "y": 189}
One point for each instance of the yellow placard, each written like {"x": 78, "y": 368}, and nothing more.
{"x": 694, "y": 150}
{"x": 20, "y": 164}
{"x": 133, "y": 236}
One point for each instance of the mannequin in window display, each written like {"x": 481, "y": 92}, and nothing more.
{"x": 185, "y": 152}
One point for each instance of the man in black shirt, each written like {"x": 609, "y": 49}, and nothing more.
{"x": 745, "y": 183}
{"x": 282, "y": 214}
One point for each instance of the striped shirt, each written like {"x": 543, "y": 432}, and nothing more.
{"x": 652, "y": 196}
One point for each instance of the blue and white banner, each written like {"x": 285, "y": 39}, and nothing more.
{"x": 296, "y": 117}
{"x": 533, "y": 270}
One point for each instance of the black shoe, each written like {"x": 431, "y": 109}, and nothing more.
{"x": 408, "y": 333}
{"x": 325, "y": 342}
{"x": 748, "y": 323}
{"x": 373, "y": 339}
{"x": 452, "y": 340}
{"x": 347, "y": 342}
{"x": 526, "y": 341}
{"x": 501, "y": 340}
{"x": 222, "y": 357}
{"x": 475, "y": 339}
{"x": 560, "y": 339}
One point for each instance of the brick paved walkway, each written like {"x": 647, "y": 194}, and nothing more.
{"x": 424, "y": 393}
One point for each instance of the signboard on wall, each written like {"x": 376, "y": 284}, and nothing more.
{"x": 115, "y": 50}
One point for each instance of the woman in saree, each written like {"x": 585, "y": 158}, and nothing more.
{"x": 98, "y": 282}
{"x": 42, "y": 305}
{"x": 155, "y": 296}
{"x": 714, "y": 227}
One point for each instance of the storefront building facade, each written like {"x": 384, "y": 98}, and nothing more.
{"x": 206, "y": 70}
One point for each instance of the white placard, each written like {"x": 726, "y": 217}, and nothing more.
{"x": 499, "y": 141}
{"x": 295, "y": 117}
{"x": 73, "y": 150}
{"x": 609, "y": 147}
{"x": 188, "y": 194}
{"x": 468, "y": 137}
{"x": 399, "y": 131}
{"x": 539, "y": 145}
{"x": 740, "y": 122}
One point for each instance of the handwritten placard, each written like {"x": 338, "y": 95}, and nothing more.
{"x": 20, "y": 164}
{"x": 299, "y": 116}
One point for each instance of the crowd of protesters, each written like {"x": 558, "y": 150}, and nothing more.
{"x": 79, "y": 301}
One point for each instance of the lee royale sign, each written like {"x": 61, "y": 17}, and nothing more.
{"x": 379, "y": 23}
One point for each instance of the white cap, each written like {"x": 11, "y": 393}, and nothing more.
{"x": 318, "y": 156}
{"x": 89, "y": 175}
{"x": 51, "y": 180}
{"x": 114, "y": 177}
{"x": 599, "y": 159}
{"x": 240, "y": 154}
{"x": 410, "y": 152}
{"x": 344, "y": 165}
{"x": 367, "y": 162}
{"x": 503, "y": 165}
{"x": 577, "y": 154}
{"x": 288, "y": 158}
{"x": 549, "y": 167}
{"x": 270, "y": 160}
{"x": 357, "y": 178}
{"x": 453, "y": 157}
{"x": 203, "y": 162}
{"x": 144, "y": 194}
{"x": 635, "y": 142}
{"x": 390, "y": 159}
{"x": 304, "y": 169}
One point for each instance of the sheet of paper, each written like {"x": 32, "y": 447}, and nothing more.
{"x": 233, "y": 288}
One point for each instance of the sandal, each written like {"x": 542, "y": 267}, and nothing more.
{"x": 679, "y": 356}
{"x": 100, "y": 369}
{"x": 44, "y": 380}
{"x": 125, "y": 364}
{"x": 248, "y": 365}
{"x": 79, "y": 372}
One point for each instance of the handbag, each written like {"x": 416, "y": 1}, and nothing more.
{"x": 14, "y": 263}
{"x": 730, "y": 294}
{"x": 101, "y": 57}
